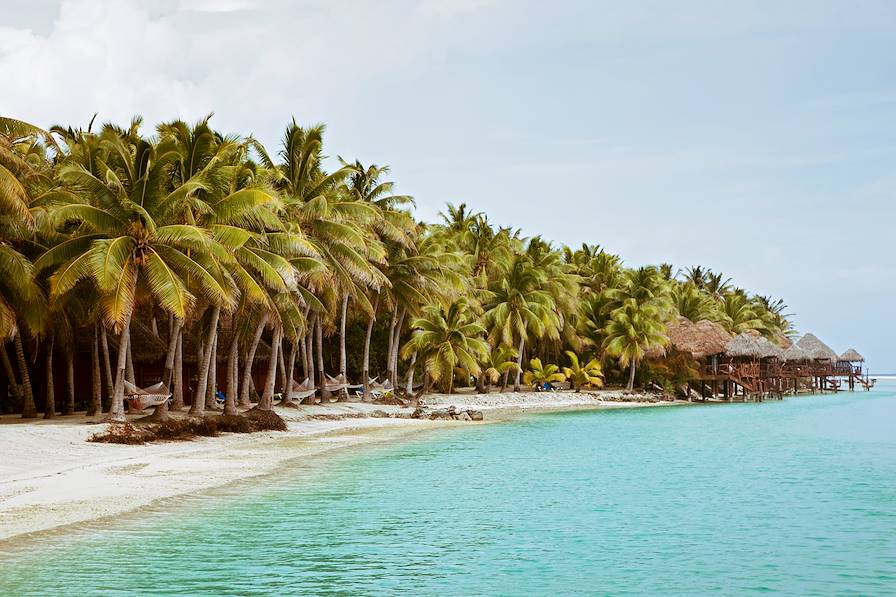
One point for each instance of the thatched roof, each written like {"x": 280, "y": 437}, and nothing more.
{"x": 852, "y": 355}
{"x": 769, "y": 348}
{"x": 700, "y": 339}
{"x": 783, "y": 341}
{"x": 795, "y": 353}
{"x": 744, "y": 345}
{"x": 817, "y": 349}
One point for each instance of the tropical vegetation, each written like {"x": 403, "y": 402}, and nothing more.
{"x": 186, "y": 256}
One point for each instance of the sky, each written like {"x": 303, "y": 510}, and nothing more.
{"x": 755, "y": 138}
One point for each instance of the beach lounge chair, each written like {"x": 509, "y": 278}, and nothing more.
{"x": 378, "y": 390}
{"x": 141, "y": 399}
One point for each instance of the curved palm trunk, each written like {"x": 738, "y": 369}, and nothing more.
{"x": 365, "y": 367}
{"x": 281, "y": 366}
{"x": 245, "y": 400}
{"x": 50, "y": 407}
{"x": 177, "y": 400}
{"x": 29, "y": 411}
{"x": 69, "y": 406}
{"x": 409, "y": 388}
{"x": 519, "y": 366}
{"x": 116, "y": 409}
{"x": 10, "y": 374}
{"x": 504, "y": 380}
{"x": 198, "y": 408}
{"x": 631, "y": 376}
{"x": 319, "y": 337}
{"x": 110, "y": 384}
{"x": 267, "y": 397}
{"x": 393, "y": 363}
{"x": 233, "y": 357}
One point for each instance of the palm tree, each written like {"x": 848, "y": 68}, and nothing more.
{"x": 127, "y": 235}
{"x": 500, "y": 362}
{"x": 518, "y": 307}
{"x": 739, "y": 313}
{"x": 446, "y": 339}
{"x": 631, "y": 332}
{"x": 587, "y": 374}
{"x": 538, "y": 375}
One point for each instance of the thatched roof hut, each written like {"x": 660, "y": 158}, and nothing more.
{"x": 817, "y": 349}
{"x": 701, "y": 339}
{"x": 796, "y": 354}
{"x": 852, "y": 355}
{"x": 744, "y": 345}
{"x": 769, "y": 348}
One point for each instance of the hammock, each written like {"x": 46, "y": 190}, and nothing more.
{"x": 141, "y": 399}
{"x": 335, "y": 384}
{"x": 300, "y": 391}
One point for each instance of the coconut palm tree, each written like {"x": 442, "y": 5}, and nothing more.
{"x": 538, "y": 375}
{"x": 501, "y": 361}
{"x": 632, "y": 331}
{"x": 128, "y": 235}
{"x": 583, "y": 374}
{"x": 518, "y": 308}
{"x": 446, "y": 339}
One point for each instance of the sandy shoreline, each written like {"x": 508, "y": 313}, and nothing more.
{"x": 51, "y": 477}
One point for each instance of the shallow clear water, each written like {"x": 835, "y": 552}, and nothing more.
{"x": 793, "y": 497}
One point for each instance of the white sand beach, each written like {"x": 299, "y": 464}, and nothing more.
{"x": 51, "y": 476}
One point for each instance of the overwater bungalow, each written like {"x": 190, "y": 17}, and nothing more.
{"x": 752, "y": 367}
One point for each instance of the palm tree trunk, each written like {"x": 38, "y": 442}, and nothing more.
{"x": 129, "y": 375}
{"x": 392, "y": 323}
{"x": 267, "y": 396}
{"x": 631, "y": 376}
{"x": 96, "y": 399}
{"x": 29, "y": 411}
{"x": 116, "y": 409}
{"x": 172, "y": 350}
{"x": 395, "y": 346}
{"x": 519, "y": 365}
{"x": 281, "y": 365}
{"x": 342, "y": 357}
{"x": 233, "y": 358}
{"x": 410, "y": 385}
{"x": 198, "y": 408}
{"x": 365, "y": 367}
{"x": 155, "y": 326}
{"x": 286, "y": 399}
{"x": 211, "y": 402}
{"x": 245, "y": 400}
{"x": 177, "y": 399}
{"x": 319, "y": 337}
{"x": 50, "y": 407}
{"x": 69, "y": 406}
{"x": 110, "y": 384}
{"x": 309, "y": 354}
{"x": 504, "y": 380}
{"x": 10, "y": 374}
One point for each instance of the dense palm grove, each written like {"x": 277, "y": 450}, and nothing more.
{"x": 188, "y": 248}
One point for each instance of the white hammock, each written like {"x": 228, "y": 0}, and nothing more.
{"x": 300, "y": 391}
{"x": 153, "y": 395}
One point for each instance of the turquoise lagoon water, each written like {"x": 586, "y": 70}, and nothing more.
{"x": 792, "y": 497}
